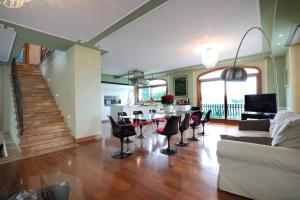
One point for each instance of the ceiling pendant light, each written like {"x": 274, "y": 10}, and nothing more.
{"x": 209, "y": 57}
{"x": 14, "y": 3}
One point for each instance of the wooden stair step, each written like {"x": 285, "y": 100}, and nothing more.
{"x": 49, "y": 134}
{"x": 53, "y": 144}
{"x": 39, "y": 103}
{"x": 42, "y": 117}
{"x": 42, "y": 121}
{"x": 45, "y": 109}
{"x": 37, "y": 133}
{"x": 36, "y": 94}
{"x": 33, "y": 89}
{"x": 30, "y": 84}
{"x": 44, "y": 141}
{"x": 36, "y": 98}
{"x": 32, "y": 72}
{"x": 46, "y": 127}
{"x": 41, "y": 114}
{"x": 48, "y": 150}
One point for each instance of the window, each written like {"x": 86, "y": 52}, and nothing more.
{"x": 153, "y": 91}
{"x": 226, "y": 99}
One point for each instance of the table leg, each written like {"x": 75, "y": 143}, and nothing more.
{"x": 141, "y": 136}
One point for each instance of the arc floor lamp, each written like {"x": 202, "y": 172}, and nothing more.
{"x": 236, "y": 73}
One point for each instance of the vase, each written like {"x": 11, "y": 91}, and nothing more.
{"x": 168, "y": 108}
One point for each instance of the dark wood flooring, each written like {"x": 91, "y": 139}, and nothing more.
{"x": 148, "y": 174}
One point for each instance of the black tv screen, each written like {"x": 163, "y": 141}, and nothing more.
{"x": 263, "y": 103}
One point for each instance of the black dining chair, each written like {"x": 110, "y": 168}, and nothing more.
{"x": 194, "y": 108}
{"x": 171, "y": 128}
{"x": 184, "y": 125}
{"x": 140, "y": 122}
{"x": 121, "y": 132}
{"x": 194, "y": 123}
{"x": 122, "y": 120}
{"x": 205, "y": 121}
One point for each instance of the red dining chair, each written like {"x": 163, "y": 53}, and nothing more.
{"x": 194, "y": 123}
{"x": 170, "y": 129}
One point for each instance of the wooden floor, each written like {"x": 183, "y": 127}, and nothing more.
{"x": 148, "y": 174}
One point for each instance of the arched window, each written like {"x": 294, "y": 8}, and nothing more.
{"x": 226, "y": 99}
{"x": 153, "y": 91}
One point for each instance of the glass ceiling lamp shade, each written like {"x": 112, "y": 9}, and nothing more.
{"x": 14, "y": 3}
{"x": 209, "y": 57}
{"x": 235, "y": 73}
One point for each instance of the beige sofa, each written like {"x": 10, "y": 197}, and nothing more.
{"x": 259, "y": 171}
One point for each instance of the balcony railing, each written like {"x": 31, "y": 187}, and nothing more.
{"x": 234, "y": 111}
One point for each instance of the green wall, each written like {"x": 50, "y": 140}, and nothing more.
{"x": 107, "y": 78}
{"x": 281, "y": 65}
{"x": 189, "y": 74}
{"x": 267, "y": 68}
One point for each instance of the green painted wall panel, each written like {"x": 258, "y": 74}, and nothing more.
{"x": 281, "y": 65}
{"x": 107, "y": 78}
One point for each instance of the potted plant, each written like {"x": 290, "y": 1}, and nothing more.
{"x": 168, "y": 100}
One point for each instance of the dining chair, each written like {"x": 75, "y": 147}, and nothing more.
{"x": 170, "y": 129}
{"x": 125, "y": 121}
{"x": 194, "y": 108}
{"x": 205, "y": 121}
{"x": 184, "y": 125}
{"x": 141, "y": 122}
{"x": 121, "y": 132}
{"x": 158, "y": 120}
{"x": 194, "y": 123}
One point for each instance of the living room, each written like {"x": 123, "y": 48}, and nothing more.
{"x": 144, "y": 99}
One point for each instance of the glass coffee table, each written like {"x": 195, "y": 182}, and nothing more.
{"x": 58, "y": 186}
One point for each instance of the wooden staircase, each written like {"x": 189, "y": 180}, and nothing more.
{"x": 44, "y": 127}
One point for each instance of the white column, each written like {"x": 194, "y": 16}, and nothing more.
{"x": 294, "y": 72}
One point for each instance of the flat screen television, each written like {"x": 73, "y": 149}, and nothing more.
{"x": 262, "y": 103}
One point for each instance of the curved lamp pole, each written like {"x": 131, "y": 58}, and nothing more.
{"x": 236, "y": 73}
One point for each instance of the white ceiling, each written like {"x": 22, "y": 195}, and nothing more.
{"x": 71, "y": 19}
{"x": 166, "y": 37}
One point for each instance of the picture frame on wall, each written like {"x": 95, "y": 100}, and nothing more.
{"x": 181, "y": 86}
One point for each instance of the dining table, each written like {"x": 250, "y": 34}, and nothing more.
{"x": 152, "y": 116}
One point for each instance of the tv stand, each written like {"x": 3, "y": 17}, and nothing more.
{"x": 252, "y": 115}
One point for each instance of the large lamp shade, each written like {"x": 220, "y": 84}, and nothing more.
{"x": 234, "y": 74}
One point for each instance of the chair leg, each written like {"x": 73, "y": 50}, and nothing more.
{"x": 121, "y": 154}
{"x": 141, "y": 136}
{"x": 168, "y": 150}
{"x": 127, "y": 140}
{"x": 194, "y": 137}
{"x": 203, "y": 132}
{"x": 181, "y": 143}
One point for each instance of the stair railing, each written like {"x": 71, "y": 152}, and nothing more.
{"x": 18, "y": 96}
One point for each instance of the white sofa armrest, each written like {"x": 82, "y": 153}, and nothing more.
{"x": 263, "y": 155}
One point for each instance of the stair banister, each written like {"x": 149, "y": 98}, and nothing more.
{"x": 18, "y": 96}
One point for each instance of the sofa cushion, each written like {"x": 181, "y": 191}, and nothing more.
{"x": 255, "y": 125}
{"x": 279, "y": 120}
{"x": 255, "y": 140}
{"x": 285, "y": 130}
